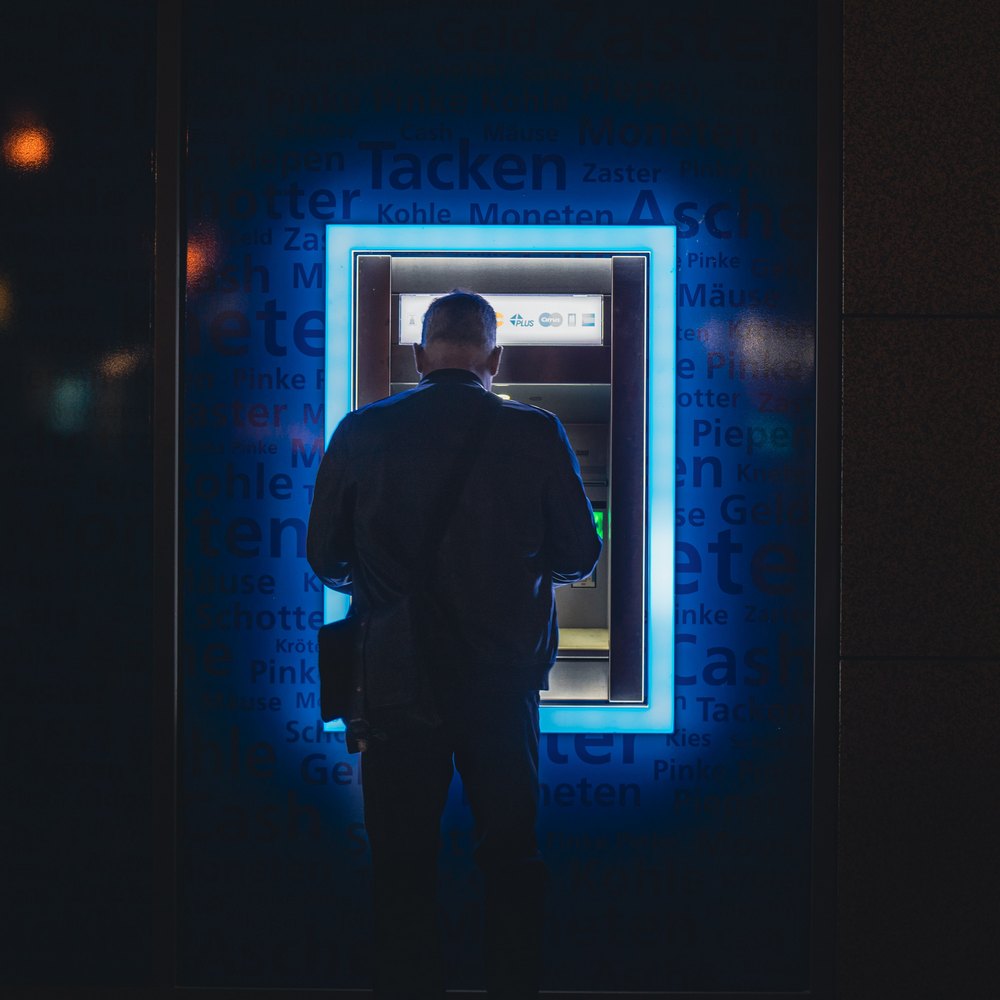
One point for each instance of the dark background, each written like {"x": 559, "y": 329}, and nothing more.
{"x": 920, "y": 637}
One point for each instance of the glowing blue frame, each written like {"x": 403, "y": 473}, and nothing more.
{"x": 342, "y": 242}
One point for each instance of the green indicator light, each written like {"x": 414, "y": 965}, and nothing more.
{"x": 600, "y": 518}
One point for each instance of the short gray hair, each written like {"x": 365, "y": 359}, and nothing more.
{"x": 461, "y": 318}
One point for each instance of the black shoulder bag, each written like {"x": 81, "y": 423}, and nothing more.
{"x": 374, "y": 662}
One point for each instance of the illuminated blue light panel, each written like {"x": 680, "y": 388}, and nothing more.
{"x": 343, "y": 242}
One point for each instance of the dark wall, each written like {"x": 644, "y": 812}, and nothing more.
{"x": 920, "y": 644}
{"x": 76, "y": 255}
{"x": 920, "y": 641}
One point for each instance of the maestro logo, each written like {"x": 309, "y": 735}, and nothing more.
{"x": 518, "y": 320}
{"x": 550, "y": 319}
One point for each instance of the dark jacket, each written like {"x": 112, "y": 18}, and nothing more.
{"x": 523, "y": 524}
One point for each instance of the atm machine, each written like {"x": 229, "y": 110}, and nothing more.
{"x": 586, "y": 319}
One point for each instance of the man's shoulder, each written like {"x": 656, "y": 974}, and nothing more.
{"x": 528, "y": 416}
{"x": 531, "y": 429}
{"x": 388, "y": 408}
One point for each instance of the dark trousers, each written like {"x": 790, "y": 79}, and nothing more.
{"x": 493, "y": 740}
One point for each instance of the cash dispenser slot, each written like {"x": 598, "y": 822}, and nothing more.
{"x": 597, "y": 388}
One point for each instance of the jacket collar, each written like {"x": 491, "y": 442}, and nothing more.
{"x": 452, "y": 376}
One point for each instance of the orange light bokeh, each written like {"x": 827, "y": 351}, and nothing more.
{"x": 202, "y": 254}
{"x": 27, "y": 147}
{"x": 197, "y": 262}
{"x": 6, "y": 303}
{"x": 120, "y": 364}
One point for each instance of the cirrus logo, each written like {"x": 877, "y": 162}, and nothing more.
{"x": 550, "y": 319}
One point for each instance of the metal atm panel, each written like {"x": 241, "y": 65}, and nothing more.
{"x": 598, "y": 386}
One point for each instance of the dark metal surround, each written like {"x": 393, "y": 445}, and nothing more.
{"x": 381, "y": 362}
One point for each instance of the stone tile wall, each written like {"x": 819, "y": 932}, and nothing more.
{"x": 920, "y": 641}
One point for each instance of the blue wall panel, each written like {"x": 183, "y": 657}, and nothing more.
{"x": 679, "y": 861}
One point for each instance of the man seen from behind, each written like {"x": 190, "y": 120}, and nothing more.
{"x": 499, "y": 483}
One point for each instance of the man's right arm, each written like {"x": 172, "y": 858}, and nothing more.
{"x": 330, "y": 539}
